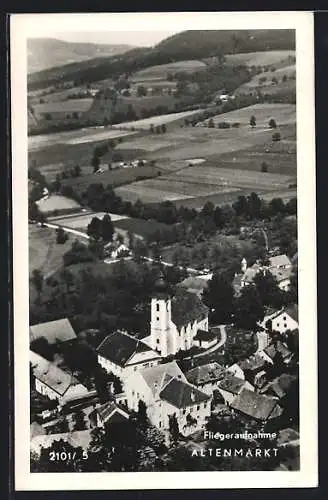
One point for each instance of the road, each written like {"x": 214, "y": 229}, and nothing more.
{"x": 169, "y": 264}
{"x": 67, "y": 230}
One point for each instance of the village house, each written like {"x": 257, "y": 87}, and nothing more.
{"x": 55, "y": 332}
{"x": 108, "y": 413}
{"x": 275, "y": 349}
{"x": 175, "y": 320}
{"x": 53, "y": 382}
{"x": 76, "y": 439}
{"x": 247, "y": 369}
{"x": 282, "y": 320}
{"x": 229, "y": 386}
{"x": 194, "y": 284}
{"x": 205, "y": 339}
{"x": 116, "y": 249}
{"x": 256, "y": 406}
{"x": 121, "y": 354}
{"x": 279, "y": 266}
{"x": 166, "y": 392}
{"x": 206, "y": 377}
{"x": 280, "y": 386}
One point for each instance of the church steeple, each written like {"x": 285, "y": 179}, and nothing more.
{"x": 160, "y": 315}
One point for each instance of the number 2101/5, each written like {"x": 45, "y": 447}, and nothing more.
{"x": 63, "y": 456}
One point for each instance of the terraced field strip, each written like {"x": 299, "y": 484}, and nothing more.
{"x": 162, "y": 70}
{"x": 261, "y": 58}
{"x": 229, "y": 177}
{"x": 73, "y": 137}
{"x": 145, "y": 123}
{"x": 69, "y": 106}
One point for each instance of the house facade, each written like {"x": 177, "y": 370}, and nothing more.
{"x": 282, "y": 320}
{"x": 166, "y": 392}
{"x": 121, "y": 354}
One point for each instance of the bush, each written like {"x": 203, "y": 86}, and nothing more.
{"x": 61, "y": 236}
{"x": 272, "y": 123}
{"x": 264, "y": 167}
{"x": 276, "y": 137}
{"x": 235, "y": 125}
{"x": 223, "y": 125}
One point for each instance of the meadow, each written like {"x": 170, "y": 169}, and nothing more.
{"x": 81, "y": 222}
{"x": 161, "y": 71}
{"x": 57, "y": 202}
{"x": 64, "y": 107}
{"x": 145, "y": 123}
{"x": 261, "y": 58}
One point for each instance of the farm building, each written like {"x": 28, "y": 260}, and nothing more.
{"x": 55, "y": 332}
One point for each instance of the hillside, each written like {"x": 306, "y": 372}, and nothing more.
{"x": 44, "y": 53}
{"x": 183, "y": 46}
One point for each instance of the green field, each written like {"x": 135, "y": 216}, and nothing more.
{"x": 141, "y": 227}
{"x": 161, "y": 71}
{"x": 113, "y": 177}
{"x": 261, "y": 58}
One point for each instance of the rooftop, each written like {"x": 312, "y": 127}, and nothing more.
{"x": 75, "y": 439}
{"x": 111, "y": 412}
{"x": 253, "y": 363}
{"x": 232, "y": 384}
{"x": 158, "y": 376}
{"x": 119, "y": 347}
{"x": 204, "y": 335}
{"x": 278, "y": 347}
{"x": 281, "y": 385}
{"x": 56, "y": 331}
{"x": 255, "y": 405}
{"x": 280, "y": 261}
{"x": 36, "y": 430}
{"x": 182, "y": 394}
{"x": 292, "y": 311}
{"x": 281, "y": 274}
{"x": 205, "y": 374}
{"x": 51, "y": 375}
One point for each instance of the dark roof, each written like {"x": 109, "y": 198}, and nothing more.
{"x": 110, "y": 412}
{"x": 255, "y": 405}
{"x": 232, "y": 384}
{"x": 156, "y": 377}
{"x": 118, "y": 347}
{"x": 273, "y": 349}
{"x": 253, "y": 363}
{"x": 281, "y": 385}
{"x": 205, "y": 335}
{"x": 292, "y": 311}
{"x": 181, "y": 394}
{"x": 205, "y": 373}
{"x": 59, "y": 330}
{"x": 187, "y": 308}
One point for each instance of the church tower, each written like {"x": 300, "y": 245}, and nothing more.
{"x": 161, "y": 317}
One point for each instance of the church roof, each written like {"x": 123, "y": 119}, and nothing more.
{"x": 187, "y": 307}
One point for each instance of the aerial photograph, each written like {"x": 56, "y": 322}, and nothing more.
{"x": 163, "y": 251}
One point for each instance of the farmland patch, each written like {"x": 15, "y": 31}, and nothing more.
{"x": 57, "y": 202}
{"x": 160, "y": 71}
{"x": 261, "y": 58}
{"x": 81, "y": 222}
{"x": 145, "y": 123}
{"x": 143, "y": 228}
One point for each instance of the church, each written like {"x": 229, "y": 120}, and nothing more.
{"x": 175, "y": 319}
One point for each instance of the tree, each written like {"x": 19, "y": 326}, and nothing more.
{"x": 211, "y": 123}
{"x": 61, "y": 236}
{"x": 141, "y": 91}
{"x": 218, "y": 296}
{"x": 79, "y": 424}
{"x": 42, "y": 347}
{"x": 94, "y": 228}
{"x": 276, "y": 137}
{"x": 77, "y": 171}
{"x": 272, "y": 123}
{"x": 248, "y": 309}
{"x": 163, "y": 127}
{"x": 252, "y": 121}
{"x": 264, "y": 167}
{"x": 268, "y": 289}
{"x": 158, "y": 129}
{"x": 142, "y": 418}
{"x": 95, "y": 162}
{"x": 107, "y": 228}
{"x": 37, "y": 280}
{"x": 174, "y": 428}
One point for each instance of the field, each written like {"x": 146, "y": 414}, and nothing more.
{"x": 161, "y": 71}
{"x": 72, "y": 137}
{"x": 56, "y": 202}
{"x": 140, "y": 227}
{"x": 113, "y": 177}
{"x": 80, "y": 222}
{"x": 44, "y": 253}
{"x": 263, "y": 58}
{"x": 145, "y": 123}
{"x": 62, "y": 109}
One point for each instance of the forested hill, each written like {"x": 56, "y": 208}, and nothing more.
{"x": 186, "y": 45}
{"x": 44, "y": 53}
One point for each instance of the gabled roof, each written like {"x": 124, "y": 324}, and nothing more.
{"x": 279, "y": 260}
{"x": 110, "y": 412}
{"x": 187, "y": 308}
{"x": 232, "y": 384}
{"x": 36, "y": 430}
{"x": 158, "y": 376}
{"x": 205, "y": 335}
{"x": 253, "y": 363}
{"x": 255, "y": 405}
{"x": 281, "y": 274}
{"x": 205, "y": 374}
{"x": 292, "y": 311}
{"x": 277, "y": 347}
{"x": 56, "y": 331}
{"x": 182, "y": 394}
{"x": 281, "y": 385}
{"x": 193, "y": 283}
{"x": 51, "y": 375}
{"x": 119, "y": 347}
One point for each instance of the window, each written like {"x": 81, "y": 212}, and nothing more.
{"x": 277, "y": 324}
{"x": 160, "y": 424}
{"x": 135, "y": 368}
{"x": 132, "y": 393}
{"x": 198, "y": 407}
{"x": 157, "y": 341}
{"x": 285, "y": 325}
{"x": 205, "y": 404}
{"x": 157, "y": 306}
{"x": 183, "y": 412}
{"x": 157, "y": 317}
